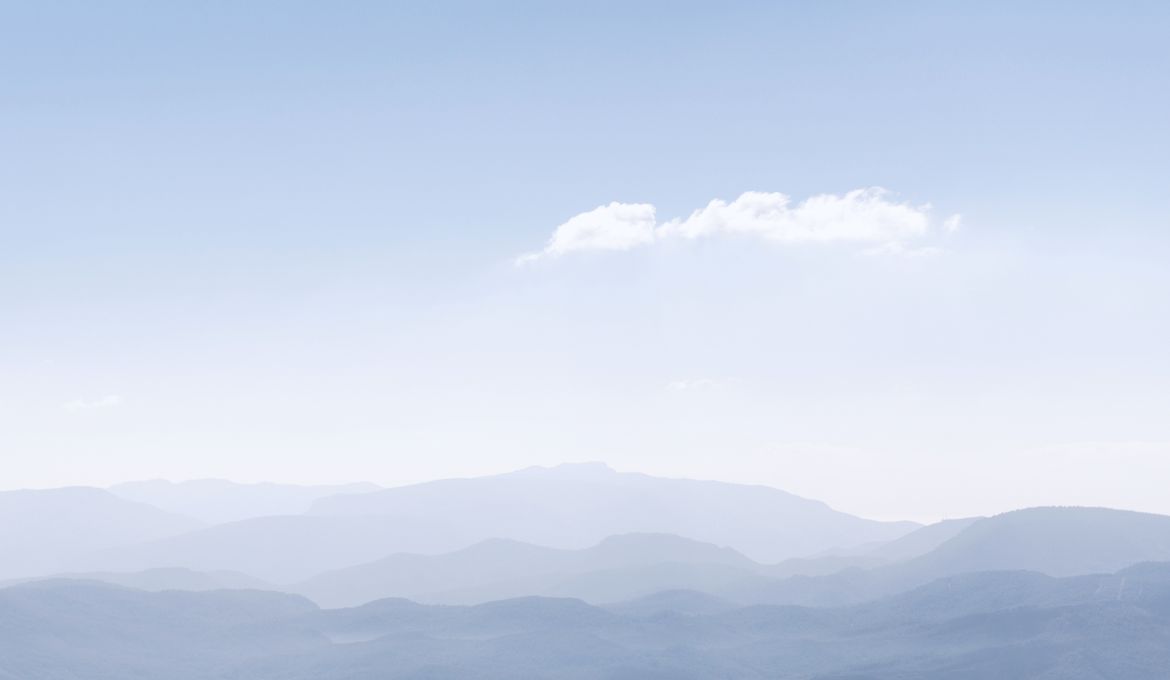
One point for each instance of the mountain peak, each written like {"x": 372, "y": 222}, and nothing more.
{"x": 589, "y": 470}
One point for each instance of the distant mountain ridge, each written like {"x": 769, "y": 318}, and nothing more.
{"x": 1012, "y": 625}
{"x": 570, "y": 506}
{"x": 174, "y": 578}
{"x": 1074, "y": 540}
{"x": 43, "y": 531}
{"x": 1054, "y": 541}
{"x": 577, "y": 505}
{"x": 463, "y": 541}
{"x": 217, "y": 501}
{"x": 282, "y": 549}
{"x": 498, "y": 569}
{"x": 1059, "y": 541}
{"x": 1046, "y": 593}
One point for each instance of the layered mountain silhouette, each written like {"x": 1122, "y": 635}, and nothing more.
{"x": 578, "y": 505}
{"x": 284, "y": 549}
{"x": 1052, "y": 541}
{"x": 569, "y": 572}
{"x": 568, "y": 507}
{"x": 618, "y": 568}
{"x": 1055, "y": 541}
{"x": 1059, "y": 541}
{"x": 174, "y": 578}
{"x": 608, "y": 536}
{"x": 44, "y": 531}
{"x": 216, "y": 501}
{"x": 1015, "y": 625}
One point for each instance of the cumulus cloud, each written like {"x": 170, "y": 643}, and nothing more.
{"x": 108, "y": 401}
{"x": 617, "y": 226}
{"x": 863, "y": 216}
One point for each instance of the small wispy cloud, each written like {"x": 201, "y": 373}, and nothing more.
{"x": 699, "y": 384}
{"x": 862, "y": 216}
{"x": 684, "y": 385}
{"x": 108, "y": 401}
{"x": 899, "y": 249}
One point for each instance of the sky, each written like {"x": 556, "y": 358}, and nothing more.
{"x": 908, "y": 258}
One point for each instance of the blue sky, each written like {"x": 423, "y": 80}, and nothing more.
{"x": 278, "y": 241}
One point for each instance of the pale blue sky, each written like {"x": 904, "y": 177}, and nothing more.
{"x": 277, "y": 241}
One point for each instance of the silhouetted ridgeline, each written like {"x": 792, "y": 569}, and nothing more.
{"x": 569, "y": 506}
{"x": 216, "y": 501}
{"x": 45, "y": 531}
{"x": 988, "y": 625}
{"x": 448, "y": 580}
{"x": 576, "y": 506}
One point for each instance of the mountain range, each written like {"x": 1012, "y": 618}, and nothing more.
{"x": 1003, "y": 625}
{"x": 568, "y": 507}
{"x": 217, "y": 501}
{"x": 45, "y": 531}
{"x": 617, "y": 568}
{"x": 1054, "y": 541}
{"x": 470, "y": 541}
{"x": 576, "y": 506}
{"x": 576, "y": 571}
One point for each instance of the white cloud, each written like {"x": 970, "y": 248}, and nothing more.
{"x": 617, "y": 226}
{"x": 108, "y": 401}
{"x": 859, "y": 216}
{"x": 953, "y": 223}
{"x": 693, "y": 384}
